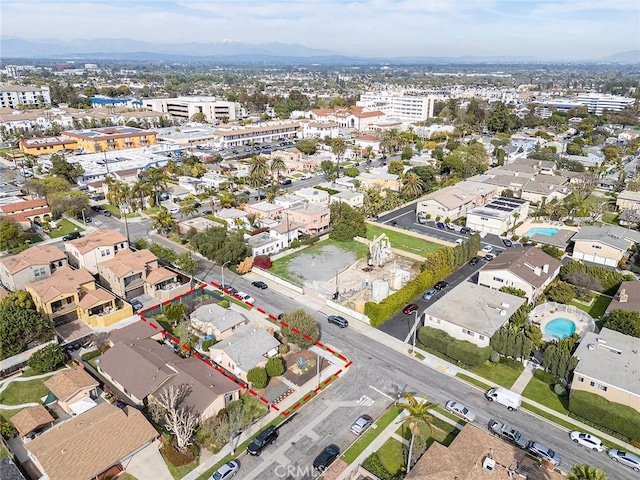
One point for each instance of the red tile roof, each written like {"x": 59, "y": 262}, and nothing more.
{"x": 24, "y": 205}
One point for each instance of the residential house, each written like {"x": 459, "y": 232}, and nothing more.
{"x": 492, "y": 310}
{"x": 9, "y": 469}
{"x": 475, "y": 454}
{"x": 159, "y": 368}
{"x": 627, "y": 298}
{"x": 498, "y": 216}
{"x": 75, "y": 390}
{"x": 217, "y": 321}
{"x": 529, "y": 269}
{"x": 608, "y": 365}
{"x": 33, "y": 264}
{"x": 31, "y": 421}
{"x": 380, "y": 180}
{"x": 248, "y": 347}
{"x": 128, "y": 176}
{"x": 450, "y": 202}
{"x": 88, "y": 445}
{"x": 72, "y": 294}
{"x": 131, "y": 274}
{"x": 273, "y": 240}
{"x": 26, "y": 212}
{"x": 313, "y": 218}
{"x": 628, "y": 200}
{"x": 605, "y": 245}
{"x": 177, "y": 193}
{"x": 200, "y": 224}
{"x": 353, "y": 199}
{"x": 313, "y": 195}
{"x": 289, "y": 200}
{"x": 264, "y": 210}
{"x": 365, "y": 141}
{"x": 234, "y": 217}
{"x": 95, "y": 247}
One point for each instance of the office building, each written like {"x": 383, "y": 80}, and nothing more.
{"x": 183, "y": 108}
{"x": 404, "y": 105}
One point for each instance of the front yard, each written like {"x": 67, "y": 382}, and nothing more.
{"x": 370, "y": 435}
{"x": 17, "y": 393}
{"x": 503, "y": 373}
{"x": 402, "y": 241}
{"x": 540, "y": 389}
{"x": 65, "y": 227}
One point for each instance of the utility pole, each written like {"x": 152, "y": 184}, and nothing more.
{"x": 222, "y": 272}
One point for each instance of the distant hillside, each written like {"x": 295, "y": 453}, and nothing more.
{"x": 632, "y": 56}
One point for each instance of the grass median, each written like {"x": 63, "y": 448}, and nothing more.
{"x": 370, "y": 435}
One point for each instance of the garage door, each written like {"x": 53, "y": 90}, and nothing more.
{"x": 136, "y": 292}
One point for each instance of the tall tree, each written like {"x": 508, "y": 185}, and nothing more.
{"x": 157, "y": 179}
{"x": 188, "y": 209}
{"x": 277, "y": 166}
{"x": 11, "y": 235}
{"x": 417, "y": 410}
{"x": 412, "y": 185}
{"x": 258, "y": 172}
{"x": 163, "y": 221}
{"x": 338, "y": 147}
{"x": 178, "y": 419}
{"x": 586, "y": 472}
{"x": 62, "y": 168}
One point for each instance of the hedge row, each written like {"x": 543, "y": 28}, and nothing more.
{"x": 609, "y": 279}
{"x": 460, "y": 350}
{"x": 436, "y": 266}
{"x": 597, "y": 409}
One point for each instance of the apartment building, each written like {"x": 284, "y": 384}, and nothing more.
{"x": 33, "y": 264}
{"x": 95, "y": 247}
{"x": 400, "y": 105}
{"x": 26, "y": 212}
{"x": 313, "y": 218}
{"x": 104, "y": 139}
{"x": 498, "y": 216}
{"x": 183, "y": 108}
{"x": 47, "y": 145}
{"x": 12, "y": 96}
{"x": 228, "y": 136}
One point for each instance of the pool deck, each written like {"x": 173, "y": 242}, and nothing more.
{"x": 560, "y": 239}
{"x": 579, "y": 320}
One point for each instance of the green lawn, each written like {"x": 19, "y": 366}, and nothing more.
{"x": 3, "y": 452}
{"x": 498, "y": 373}
{"x": 391, "y": 456}
{"x": 17, "y": 393}
{"x": 473, "y": 381}
{"x": 597, "y": 307}
{"x": 610, "y": 217}
{"x": 65, "y": 227}
{"x": 111, "y": 208}
{"x": 8, "y": 414}
{"x": 370, "y": 435}
{"x": 540, "y": 389}
{"x": 32, "y": 238}
{"x": 280, "y": 266}
{"x": 402, "y": 241}
{"x": 442, "y": 432}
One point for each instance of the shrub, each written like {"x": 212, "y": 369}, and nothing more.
{"x": 47, "y": 359}
{"x": 176, "y": 458}
{"x": 597, "y": 409}
{"x": 258, "y": 377}
{"x": 275, "y": 367}
{"x": 223, "y": 303}
{"x": 295, "y": 243}
{"x": 372, "y": 464}
{"x": 552, "y": 251}
{"x": 560, "y": 292}
{"x": 90, "y": 355}
{"x": 460, "y": 350}
{"x": 305, "y": 324}
{"x": 7, "y": 430}
{"x": 283, "y": 348}
{"x": 609, "y": 280}
{"x": 515, "y": 237}
{"x": 558, "y": 389}
{"x": 206, "y": 344}
{"x": 262, "y": 261}
{"x": 494, "y": 357}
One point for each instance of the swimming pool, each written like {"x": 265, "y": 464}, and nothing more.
{"x": 560, "y": 328}
{"x": 548, "y": 231}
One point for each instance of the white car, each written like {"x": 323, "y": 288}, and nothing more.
{"x": 306, "y": 176}
{"x": 245, "y": 297}
{"x": 226, "y": 471}
{"x": 587, "y": 440}
{"x": 487, "y": 249}
{"x": 174, "y": 210}
{"x": 461, "y": 410}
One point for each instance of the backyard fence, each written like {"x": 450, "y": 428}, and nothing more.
{"x": 553, "y": 307}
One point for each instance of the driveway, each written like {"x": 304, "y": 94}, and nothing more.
{"x": 148, "y": 464}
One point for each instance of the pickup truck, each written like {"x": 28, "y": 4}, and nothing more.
{"x": 502, "y": 430}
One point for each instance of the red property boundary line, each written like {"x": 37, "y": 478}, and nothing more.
{"x": 175, "y": 340}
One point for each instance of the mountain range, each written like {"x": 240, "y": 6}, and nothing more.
{"x": 126, "y": 49}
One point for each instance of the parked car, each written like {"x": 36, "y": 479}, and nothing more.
{"x": 306, "y": 176}
{"x": 338, "y": 320}
{"x": 226, "y": 471}
{"x": 625, "y": 458}
{"x": 259, "y": 284}
{"x": 174, "y": 210}
{"x": 507, "y": 243}
{"x": 461, "y": 410}
{"x": 587, "y": 440}
{"x": 361, "y": 424}
{"x": 264, "y": 439}
{"x": 450, "y": 226}
{"x": 245, "y": 297}
{"x": 286, "y": 182}
{"x": 228, "y": 288}
{"x": 488, "y": 257}
{"x": 409, "y": 309}
{"x": 422, "y": 220}
{"x": 393, "y": 223}
{"x": 474, "y": 260}
{"x": 137, "y": 305}
{"x": 429, "y": 294}
{"x": 71, "y": 236}
{"x": 106, "y": 213}
{"x": 207, "y": 212}
{"x": 464, "y": 230}
{"x": 504, "y": 431}
{"x": 324, "y": 459}
{"x": 545, "y": 453}
{"x": 487, "y": 249}
{"x": 440, "y": 225}
{"x": 441, "y": 285}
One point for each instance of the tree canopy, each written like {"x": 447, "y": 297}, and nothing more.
{"x": 305, "y": 324}
{"x": 21, "y": 327}
{"x": 623, "y": 322}
{"x": 62, "y": 168}
{"x": 217, "y": 244}
{"x": 346, "y": 222}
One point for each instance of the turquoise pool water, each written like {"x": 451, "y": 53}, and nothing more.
{"x": 548, "y": 231}
{"x": 560, "y": 328}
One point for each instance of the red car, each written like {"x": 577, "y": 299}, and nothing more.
{"x": 409, "y": 309}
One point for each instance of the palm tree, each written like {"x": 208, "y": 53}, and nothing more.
{"x": 586, "y": 472}
{"x": 389, "y": 140}
{"x": 188, "y": 209}
{"x": 141, "y": 190}
{"x": 338, "y": 147}
{"x": 258, "y": 171}
{"x": 272, "y": 192}
{"x": 413, "y": 186}
{"x": 369, "y": 152}
{"x": 277, "y": 166}
{"x": 163, "y": 221}
{"x": 226, "y": 199}
{"x": 157, "y": 179}
{"x": 417, "y": 410}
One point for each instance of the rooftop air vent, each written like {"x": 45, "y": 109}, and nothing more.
{"x": 601, "y": 341}
{"x": 489, "y": 465}
{"x": 591, "y": 346}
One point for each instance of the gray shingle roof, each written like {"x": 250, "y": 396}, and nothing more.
{"x": 221, "y": 318}
{"x": 247, "y": 346}
{"x": 611, "y": 235}
{"x": 9, "y": 470}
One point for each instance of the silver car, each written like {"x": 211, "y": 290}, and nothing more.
{"x": 361, "y": 424}
{"x": 545, "y": 453}
{"x": 226, "y": 471}
{"x": 625, "y": 458}
{"x": 461, "y": 410}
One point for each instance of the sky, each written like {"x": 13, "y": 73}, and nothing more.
{"x": 550, "y": 29}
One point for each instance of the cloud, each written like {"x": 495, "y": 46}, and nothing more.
{"x": 547, "y": 28}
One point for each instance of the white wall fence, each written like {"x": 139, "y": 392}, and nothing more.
{"x": 279, "y": 280}
{"x": 553, "y": 307}
{"x": 347, "y": 311}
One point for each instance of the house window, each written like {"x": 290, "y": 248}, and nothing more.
{"x": 596, "y": 247}
{"x": 39, "y": 271}
{"x": 598, "y": 386}
{"x": 497, "y": 279}
{"x": 581, "y": 379}
{"x": 468, "y": 332}
{"x": 105, "y": 252}
{"x": 481, "y": 337}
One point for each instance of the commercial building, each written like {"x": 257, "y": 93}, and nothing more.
{"x": 597, "y": 102}
{"x": 106, "y": 139}
{"x": 228, "y": 136}
{"x": 184, "y": 108}
{"x": 498, "y": 216}
{"x": 401, "y": 105}
{"x": 12, "y": 96}
{"x": 354, "y": 117}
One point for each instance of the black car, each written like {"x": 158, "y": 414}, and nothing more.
{"x": 286, "y": 182}
{"x": 507, "y": 243}
{"x": 264, "y": 438}
{"x": 207, "y": 212}
{"x": 338, "y": 320}
{"x": 474, "y": 260}
{"x": 106, "y": 213}
{"x": 441, "y": 285}
{"x": 71, "y": 236}
{"x": 197, "y": 204}
{"x": 393, "y": 223}
{"x": 260, "y": 285}
{"x": 324, "y": 459}
{"x": 228, "y": 288}
{"x": 464, "y": 230}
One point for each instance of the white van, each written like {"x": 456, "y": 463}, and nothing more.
{"x": 509, "y": 399}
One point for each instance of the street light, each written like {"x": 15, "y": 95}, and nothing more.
{"x": 415, "y": 329}
{"x": 222, "y": 271}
